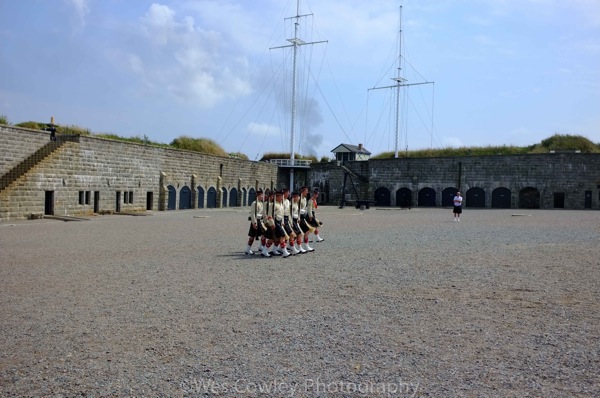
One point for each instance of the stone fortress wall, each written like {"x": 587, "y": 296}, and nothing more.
{"x": 566, "y": 180}
{"x": 93, "y": 175}
{"x": 83, "y": 175}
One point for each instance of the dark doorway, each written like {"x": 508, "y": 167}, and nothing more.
{"x": 529, "y": 198}
{"x": 96, "y": 201}
{"x": 448, "y": 195}
{"x": 233, "y": 197}
{"x": 244, "y": 195}
{"x": 382, "y": 197}
{"x": 501, "y": 198}
{"x": 404, "y": 198}
{"x": 475, "y": 197}
{"x": 149, "y": 200}
{"x": 559, "y": 200}
{"x": 200, "y": 197}
{"x": 251, "y": 196}
{"x": 49, "y": 203}
{"x": 427, "y": 197}
{"x": 588, "y": 199}
{"x": 185, "y": 198}
{"x": 211, "y": 198}
{"x": 172, "y": 200}
{"x": 118, "y": 202}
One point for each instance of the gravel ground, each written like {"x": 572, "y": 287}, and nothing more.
{"x": 394, "y": 303}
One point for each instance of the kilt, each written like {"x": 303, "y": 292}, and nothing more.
{"x": 313, "y": 222}
{"x": 258, "y": 232}
{"x": 296, "y": 227}
{"x": 279, "y": 231}
{"x": 287, "y": 226}
{"x": 303, "y": 223}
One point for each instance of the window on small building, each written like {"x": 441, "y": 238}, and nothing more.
{"x": 81, "y": 197}
{"x": 130, "y": 196}
{"x": 125, "y": 197}
{"x": 87, "y": 197}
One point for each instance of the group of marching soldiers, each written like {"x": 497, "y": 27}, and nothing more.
{"x": 282, "y": 222}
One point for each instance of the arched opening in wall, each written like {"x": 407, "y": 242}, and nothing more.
{"x": 382, "y": 197}
{"x": 172, "y": 200}
{"x": 427, "y": 197}
{"x": 244, "y": 194}
{"x": 185, "y": 198}
{"x": 529, "y": 198}
{"x": 200, "y": 197}
{"x": 251, "y": 196}
{"x": 233, "y": 197}
{"x": 448, "y": 195}
{"x": 501, "y": 198}
{"x": 211, "y": 198}
{"x": 475, "y": 197}
{"x": 404, "y": 198}
{"x": 224, "y": 197}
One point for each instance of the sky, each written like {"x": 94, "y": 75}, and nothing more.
{"x": 477, "y": 72}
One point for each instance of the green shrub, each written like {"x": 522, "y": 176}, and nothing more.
{"x": 203, "y": 145}
{"x": 566, "y": 142}
{"x": 32, "y": 125}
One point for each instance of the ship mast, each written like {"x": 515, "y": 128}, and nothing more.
{"x": 296, "y": 43}
{"x": 400, "y": 82}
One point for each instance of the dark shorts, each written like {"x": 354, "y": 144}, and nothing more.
{"x": 457, "y": 209}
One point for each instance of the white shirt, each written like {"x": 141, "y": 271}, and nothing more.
{"x": 458, "y": 200}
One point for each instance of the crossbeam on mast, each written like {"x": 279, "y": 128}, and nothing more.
{"x": 400, "y": 82}
{"x": 295, "y": 43}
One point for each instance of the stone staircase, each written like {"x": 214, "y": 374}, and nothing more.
{"x": 33, "y": 159}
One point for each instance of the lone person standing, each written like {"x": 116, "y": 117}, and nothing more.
{"x": 457, "y": 206}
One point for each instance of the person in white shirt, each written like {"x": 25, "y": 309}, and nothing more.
{"x": 256, "y": 226}
{"x": 457, "y": 201}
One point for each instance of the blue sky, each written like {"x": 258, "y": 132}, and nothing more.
{"x": 505, "y": 72}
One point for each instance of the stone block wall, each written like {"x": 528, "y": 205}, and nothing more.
{"x": 101, "y": 175}
{"x": 17, "y": 143}
{"x": 574, "y": 177}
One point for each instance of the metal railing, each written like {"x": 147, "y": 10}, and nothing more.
{"x": 291, "y": 162}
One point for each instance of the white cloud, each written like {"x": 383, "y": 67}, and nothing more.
{"x": 81, "y": 8}
{"x": 187, "y": 62}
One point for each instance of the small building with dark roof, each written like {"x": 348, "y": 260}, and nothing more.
{"x": 348, "y": 153}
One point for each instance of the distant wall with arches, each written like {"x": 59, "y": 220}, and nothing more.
{"x": 96, "y": 175}
{"x": 565, "y": 180}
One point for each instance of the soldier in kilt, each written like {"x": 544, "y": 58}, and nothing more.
{"x": 306, "y": 228}
{"x": 295, "y": 211}
{"x": 287, "y": 222}
{"x": 270, "y": 236}
{"x": 256, "y": 226}
{"x": 281, "y": 235}
{"x": 311, "y": 216}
